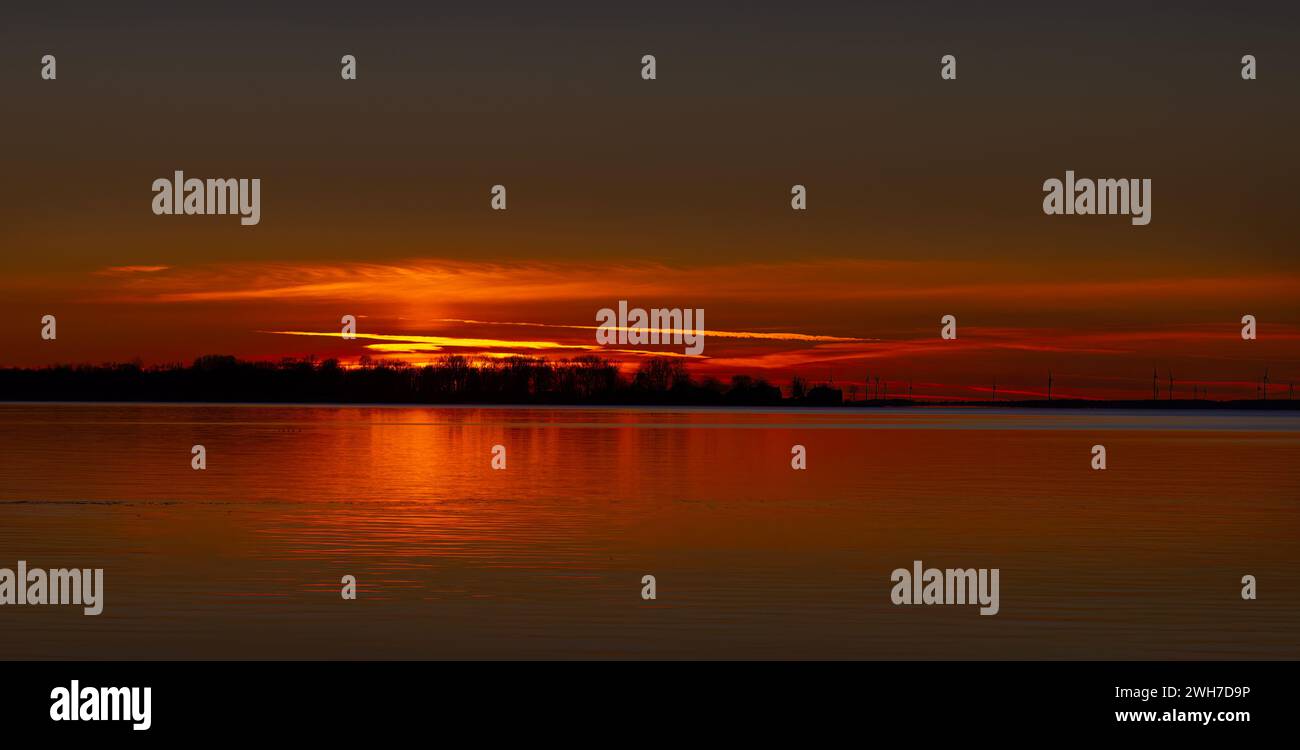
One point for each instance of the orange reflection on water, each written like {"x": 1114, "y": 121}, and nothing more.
{"x": 753, "y": 559}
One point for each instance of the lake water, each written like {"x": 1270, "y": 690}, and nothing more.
{"x": 752, "y": 559}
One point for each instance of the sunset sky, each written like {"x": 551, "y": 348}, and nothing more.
{"x": 924, "y": 196}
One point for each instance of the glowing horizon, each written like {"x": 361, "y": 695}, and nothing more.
{"x": 823, "y": 319}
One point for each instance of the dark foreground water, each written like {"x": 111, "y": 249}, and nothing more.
{"x": 752, "y": 559}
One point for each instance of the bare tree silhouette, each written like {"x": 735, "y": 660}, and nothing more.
{"x": 798, "y": 387}
{"x": 585, "y": 379}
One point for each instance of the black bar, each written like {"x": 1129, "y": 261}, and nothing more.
{"x": 615, "y": 702}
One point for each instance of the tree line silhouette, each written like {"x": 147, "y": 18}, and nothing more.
{"x": 450, "y": 379}
{"x": 453, "y": 379}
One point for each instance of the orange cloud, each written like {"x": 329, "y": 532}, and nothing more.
{"x": 111, "y": 270}
{"x": 811, "y": 281}
{"x": 706, "y": 333}
{"x": 412, "y": 344}
{"x": 433, "y": 343}
{"x": 1092, "y": 320}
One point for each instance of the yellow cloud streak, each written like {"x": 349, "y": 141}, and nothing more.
{"x": 771, "y": 336}
{"x": 417, "y": 344}
{"x": 441, "y": 341}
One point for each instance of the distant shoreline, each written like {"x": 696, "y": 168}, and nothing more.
{"x": 583, "y": 381}
{"x": 1251, "y": 405}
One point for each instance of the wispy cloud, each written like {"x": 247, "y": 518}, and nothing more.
{"x": 437, "y": 342}
{"x": 814, "y": 281}
{"x": 118, "y": 270}
{"x": 418, "y": 344}
{"x": 802, "y": 316}
{"x": 767, "y": 336}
